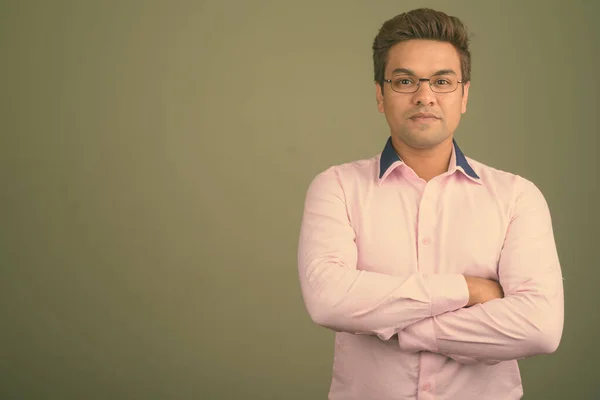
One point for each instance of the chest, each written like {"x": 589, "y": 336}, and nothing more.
{"x": 430, "y": 232}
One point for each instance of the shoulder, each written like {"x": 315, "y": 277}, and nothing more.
{"x": 510, "y": 187}
{"x": 347, "y": 175}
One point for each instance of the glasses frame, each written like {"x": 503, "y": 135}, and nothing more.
{"x": 419, "y": 80}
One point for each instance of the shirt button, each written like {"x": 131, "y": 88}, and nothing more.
{"x": 426, "y": 241}
{"x": 426, "y": 386}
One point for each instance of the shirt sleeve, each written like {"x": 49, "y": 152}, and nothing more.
{"x": 529, "y": 319}
{"x": 339, "y": 295}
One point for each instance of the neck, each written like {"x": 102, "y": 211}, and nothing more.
{"x": 427, "y": 163}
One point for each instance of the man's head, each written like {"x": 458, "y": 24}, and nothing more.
{"x": 422, "y": 44}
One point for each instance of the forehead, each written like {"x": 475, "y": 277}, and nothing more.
{"x": 423, "y": 57}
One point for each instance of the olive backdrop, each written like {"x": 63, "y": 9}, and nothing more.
{"x": 155, "y": 156}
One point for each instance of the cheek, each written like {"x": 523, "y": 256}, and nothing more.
{"x": 394, "y": 110}
{"x": 454, "y": 111}
{"x": 451, "y": 119}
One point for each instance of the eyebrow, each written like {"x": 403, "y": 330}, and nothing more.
{"x": 411, "y": 72}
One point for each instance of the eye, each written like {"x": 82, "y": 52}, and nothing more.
{"x": 403, "y": 81}
{"x": 442, "y": 80}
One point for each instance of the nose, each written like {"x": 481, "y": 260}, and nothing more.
{"x": 424, "y": 95}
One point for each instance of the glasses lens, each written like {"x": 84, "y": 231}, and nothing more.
{"x": 404, "y": 83}
{"x": 444, "y": 83}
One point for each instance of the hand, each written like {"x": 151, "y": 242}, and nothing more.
{"x": 482, "y": 290}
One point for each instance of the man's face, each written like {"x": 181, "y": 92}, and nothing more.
{"x": 423, "y": 58}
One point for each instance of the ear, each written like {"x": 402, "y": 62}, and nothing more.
{"x": 465, "y": 97}
{"x": 379, "y": 97}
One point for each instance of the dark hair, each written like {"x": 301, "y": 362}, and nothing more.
{"x": 422, "y": 23}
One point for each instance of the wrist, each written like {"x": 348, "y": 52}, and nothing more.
{"x": 473, "y": 291}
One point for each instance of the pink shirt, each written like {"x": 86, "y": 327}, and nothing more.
{"x": 383, "y": 253}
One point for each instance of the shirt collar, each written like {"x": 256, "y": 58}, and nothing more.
{"x": 390, "y": 160}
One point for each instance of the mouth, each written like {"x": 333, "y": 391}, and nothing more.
{"x": 423, "y": 117}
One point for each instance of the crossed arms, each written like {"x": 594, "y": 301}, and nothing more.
{"x": 460, "y": 317}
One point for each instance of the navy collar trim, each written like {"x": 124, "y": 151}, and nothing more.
{"x": 389, "y": 157}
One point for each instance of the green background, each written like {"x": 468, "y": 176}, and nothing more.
{"x": 154, "y": 162}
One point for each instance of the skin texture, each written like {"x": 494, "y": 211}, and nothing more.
{"x": 482, "y": 290}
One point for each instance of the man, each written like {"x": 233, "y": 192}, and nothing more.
{"x": 436, "y": 272}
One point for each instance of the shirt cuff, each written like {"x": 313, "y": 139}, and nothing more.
{"x": 449, "y": 292}
{"x": 418, "y": 337}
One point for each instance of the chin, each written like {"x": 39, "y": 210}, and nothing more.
{"x": 423, "y": 140}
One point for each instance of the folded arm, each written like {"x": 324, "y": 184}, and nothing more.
{"x": 340, "y": 296}
{"x": 529, "y": 319}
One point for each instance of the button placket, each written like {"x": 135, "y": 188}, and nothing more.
{"x": 426, "y": 227}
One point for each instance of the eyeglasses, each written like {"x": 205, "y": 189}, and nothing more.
{"x": 410, "y": 83}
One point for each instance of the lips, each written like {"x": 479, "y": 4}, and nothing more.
{"x": 424, "y": 116}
